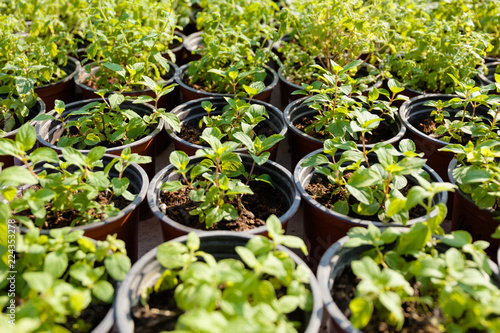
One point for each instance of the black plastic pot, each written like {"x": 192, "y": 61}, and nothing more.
{"x": 466, "y": 215}
{"x": 412, "y": 112}
{"x": 280, "y": 177}
{"x": 177, "y": 48}
{"x": 34, "y": 111}
{"x": 125, "y": 224}
{"x": 302, "y": 143}
{"x": 48, "y": 132}
{"x": 189, "y": 93}
{"x": 168, "y": 102}
{"x": 192, "y": 43}
{"x": 331, "y": 266}
{"x": 490, "y": 59}
{"x": 221, "y": 245}
{"x": 324, "y": 226}
{"x": 63, "y": 89}
{"x": 193, "y": 112}
{"x": 493, "y": 67}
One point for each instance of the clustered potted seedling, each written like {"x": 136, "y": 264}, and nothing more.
{"x": 379, "y": 97}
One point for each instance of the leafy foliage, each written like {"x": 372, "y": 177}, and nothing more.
{"x": 376, "y": 187}
{"x": 455, "y": 287}
{"x": 68, "y": 184}
{"x": 259, "y": 290}
{"x": 59, "y": 276}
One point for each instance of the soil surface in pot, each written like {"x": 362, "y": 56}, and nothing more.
{"x": 161, "y": 312}
{"x": 64, "y": 219}
{"x": 259, "y": 206}
{"x": 385, "y": 131}
{"x": 428, "y": 126}
{"x": 416, "y": 319}
{"x": 321, "y": 190}
{"x": 89, "y": 318}
{"x": 191, "y": 132}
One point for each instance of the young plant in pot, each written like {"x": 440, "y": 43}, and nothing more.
{"x": 409, "y": 281}
{"x": 113, "y": 66}
{"x": 328, "y": 30}
{"x": 434, "y": 120}
{"x": 228, "y": 61}
{"x": 221, "y": 282}
{"x": 96, "y": 193}
{"x": 59, "y": 282}
{"x": 37, "y": 63}
{"x": 255, "y": 118}
{"x": 346, "y": 187}
{"x": 16, "y": 108}
{"x": 115, "y": 122}
{"x": 424, "y": 59}
{"x": 218, "y": 189}
{"x": 476, "y": 171}
{"x": 336, "y": 108}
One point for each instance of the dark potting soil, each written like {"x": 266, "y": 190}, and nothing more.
{"x": 321, "y": 190}
{"x": 88, "y": 319}
{"x": 191, "y": 132}
{"x": 385, "y": 131}
{"x": 417, "y": 320}
{"x": 64, "y": 219}
{"x": 428, "y": 126}
{"x": 258, "y": 207}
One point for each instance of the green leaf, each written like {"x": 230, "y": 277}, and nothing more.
{"x": 414, "y": 240}
{"x": 115, "y": 68}
{"x": 73, "y": 156}
{"x": 115, "y": 100}
{"x": 172, "y": 186}
{"x": 274, "y": 226}
{"x": 247, "y": 256}
{"x": 179, "y": 159}
{"x": 104, "y": 291}
{"x": 341, "y": 207}
{"x": 38, "y": 281}
{"x": 44, "y": 154}
{"x": 172, "y": 255}
{"x": 457, "y": 238}
{"x": 193, "y": 241}
{"x": 288, "y": 303}
{"x": 361, "y": 310}
{"x": 26, "y": 137}
{"x": 56, "y": 264}
{"x": 16, "y": 176}
{"x": 117, "y": 265}
{"x": 392, "y": 302}
{"x": 119, "y": 185}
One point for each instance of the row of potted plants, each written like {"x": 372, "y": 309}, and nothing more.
{"x": 379, "y": 180}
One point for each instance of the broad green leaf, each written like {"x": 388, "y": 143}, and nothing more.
{"x": 104, "y": 291}
{"x": 56, "y": 263}
{"x": 117, "y": 265}
{"x": 361, "y": 310}
{"x": 26, "y": 137}
{"x": 115, "y": 100}
{"x": 16, "y": 176}
{"x": 38, "y": 281}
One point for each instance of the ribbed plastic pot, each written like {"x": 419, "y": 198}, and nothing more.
{"x": 192, "y": 112}
{"x": 48, "y": 132}
{"x": 125, "y": 224}
{"x": 412, "y": 112}
{"x": 34, "y": 111}
{"x": 281, "y": 178}
{"x": 177, "y": 48}
{"x": 493, "y": 67}
{"x": 302, "y": 143}
{"x": 466, "y": 215}
{"x": 168, "y": 102}
{"x": 490, "y": 59}
{"x": 324, "y": 226}
{"x": 287, "y": 87}
{"x": 221, "y": 245}
{"x": 189, "y": 93}
{"x": 331, "y": 266}
{"x": 192, "y": 43}
{"x": 63, "y": 89}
